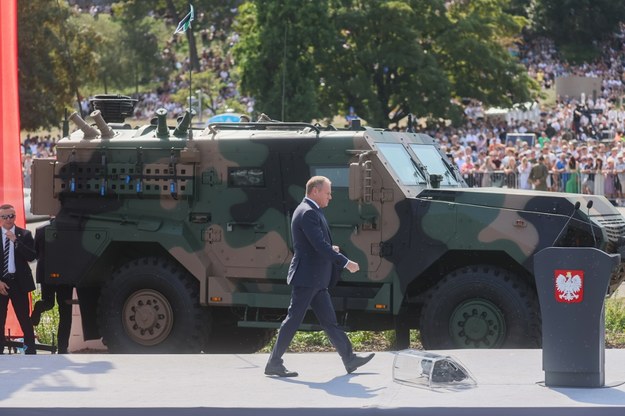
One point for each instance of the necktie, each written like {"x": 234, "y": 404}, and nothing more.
{"x": 5, "y": 268}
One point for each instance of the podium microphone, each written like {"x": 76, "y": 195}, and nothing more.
{"x": 577, "y": 205}
{"x": 592, "y": 229}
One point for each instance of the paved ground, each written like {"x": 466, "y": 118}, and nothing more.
{"x": 103, "y": 384}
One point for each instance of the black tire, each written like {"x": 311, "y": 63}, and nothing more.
{"x": 228, "y": 338}
{"x": 151, "y": 305}
{"x": 481, "y": 307}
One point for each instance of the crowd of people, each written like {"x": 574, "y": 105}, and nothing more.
{"x": 218, "y": 61}
{"x": 580, "y": 138}
{"x": 576, "y": 146}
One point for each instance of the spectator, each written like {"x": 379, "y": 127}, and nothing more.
{"x": 610, "y": 178}
{"x": 620, "y": 178}
{"x": 510, "y": 173}
{"x": 587, "y": 170}
{"x": 524, "y": 170}
{"x": 599, "y": 177}
{"x": 538, "y": 175}
{"x": 572, "y": 182}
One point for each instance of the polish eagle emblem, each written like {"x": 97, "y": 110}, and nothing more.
{"x": 569, "y": 286}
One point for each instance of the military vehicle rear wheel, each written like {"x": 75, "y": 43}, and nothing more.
{"x": 481, "y": 307}
{"x": 151, "y": 305}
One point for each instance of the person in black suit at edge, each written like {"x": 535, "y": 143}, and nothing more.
{"x": 316, "y": 265}
{"x": 64, "y": 295}
{"x": 17, "y": 279}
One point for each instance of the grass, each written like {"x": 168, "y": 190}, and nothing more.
{"x": 385, "y": 340}
{"x": 362, "y": 340}
{"x": 615, "y": 323}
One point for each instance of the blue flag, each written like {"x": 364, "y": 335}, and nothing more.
{"x": 186, "y": 22}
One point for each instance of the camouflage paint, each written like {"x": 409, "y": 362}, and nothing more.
{"x": 235, "y": 240}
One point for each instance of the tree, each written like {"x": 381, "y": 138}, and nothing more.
{"x": 381, "y": 62}
{"x": 139, "y": 52}
{"x": 54, "y": 59}
{"x": 473, "y": 49}
{"x": 577, "y": 26}
{"x": 385, "y": 59}
{"x": 207, "y": 12}
{"x": 277, "y": 55}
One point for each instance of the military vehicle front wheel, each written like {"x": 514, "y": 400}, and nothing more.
{"x": 152, "y": 305}
{"x": 480, "y": 307}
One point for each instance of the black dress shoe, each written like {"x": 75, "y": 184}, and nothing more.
{"x": 279, "y": 370}
{"x": 358, "y": 361}
{"x": 30, "y": 350}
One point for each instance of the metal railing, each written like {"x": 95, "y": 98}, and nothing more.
{"x": 584, "y": 182}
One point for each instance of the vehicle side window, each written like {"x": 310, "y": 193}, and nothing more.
{"x": 338, "y": 175}
{"x": 246, "y": 177}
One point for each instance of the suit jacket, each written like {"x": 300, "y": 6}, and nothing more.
{"x": 315, "y": 263}
{"x": 24, "y": 253}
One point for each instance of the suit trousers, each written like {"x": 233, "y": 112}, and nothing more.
{"x": 321, "y": 303}
{"x": 21, "y": 306}
{"x": 64, "y": 295}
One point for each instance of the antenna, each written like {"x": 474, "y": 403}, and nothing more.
{"x": 592, "y": 229}
{"x": 575, "y": 208}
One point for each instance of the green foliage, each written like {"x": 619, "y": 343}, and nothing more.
{"x": 381, "y": 62}
{"x": 577, "y": 25}
{"x": 65, "y": 55}
{"x": 385, "y": 340}
{"x": 615, "y": 323}
{"x": 304, "y": 60}
{"x": 385, "y": 59}
{"x": 55, "y": 59}
{"x": 47, "y": 329}
{"x": 615, "y": 315}
{"x": 361, "y": 341}
{"x": 473, "y": 50}
{"x": 276, "y": 55}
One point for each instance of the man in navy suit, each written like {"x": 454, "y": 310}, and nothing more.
{"x": 16, "y": 278}
{"x": 316, "y": 265}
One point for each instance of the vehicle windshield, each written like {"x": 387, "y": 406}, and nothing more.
{"x": 435, "y": 163}
{"x": 400, "y": 161}
{"x": 410, "y": 171}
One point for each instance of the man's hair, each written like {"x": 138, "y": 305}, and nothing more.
{"x": 315, "y": 182}
{"x": 7, "y": 206}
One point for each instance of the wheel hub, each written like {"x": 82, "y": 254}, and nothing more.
{"x": 147, "y": 317}
{"x": 477, "y": 323}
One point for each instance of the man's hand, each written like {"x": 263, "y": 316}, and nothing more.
{"x": 10, "y": 235}
{"x": 352, "y": 266}
{"x": 4, "y": 289}
{"x": 335, "y": 248}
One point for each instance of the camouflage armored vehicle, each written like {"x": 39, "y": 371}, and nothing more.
{"x": 178, "y": 240}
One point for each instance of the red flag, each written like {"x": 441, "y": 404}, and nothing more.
{"x": 11, "y": 180}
